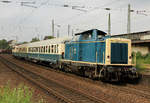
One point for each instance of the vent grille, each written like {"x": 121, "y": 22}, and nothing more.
{"x": 119, "y": 53}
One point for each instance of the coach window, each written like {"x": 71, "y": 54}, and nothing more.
{"x": 57, "y": 48}
{"x": 35, "y": 49}
{"x": 49, "y": 49}
{"x": 52, "y": 48}
{"x": 38, "y": 49}
{"x": 46, "y": 49}
{"x": 42, "y": 49}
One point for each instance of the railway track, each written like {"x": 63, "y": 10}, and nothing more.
{"x": 128, "y": 88}
{"x": 132, "y": 90}
{"x": 59, "y": 92}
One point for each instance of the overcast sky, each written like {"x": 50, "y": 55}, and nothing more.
{"x": 27, "y": 22}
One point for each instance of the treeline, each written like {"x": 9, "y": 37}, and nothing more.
{"x": 4, "y": 44}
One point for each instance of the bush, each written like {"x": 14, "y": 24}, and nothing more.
{"x": 22, "y": 94}
{"x": 140, "y": 60}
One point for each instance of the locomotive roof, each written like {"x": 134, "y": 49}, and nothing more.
{"x": 90, "y": 31}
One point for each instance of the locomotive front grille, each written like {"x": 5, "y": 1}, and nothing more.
{"x": 119, "y": 53}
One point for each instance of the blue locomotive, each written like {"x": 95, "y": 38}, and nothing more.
{"x": 94, "y": 54}
{"x": 91, "y": 53}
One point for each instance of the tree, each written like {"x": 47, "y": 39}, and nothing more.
{"x": 34, "y": 39}
{"x": 4, "y": 44}
{"x": 48, "y": 37}
{"x": 24, "y": 42}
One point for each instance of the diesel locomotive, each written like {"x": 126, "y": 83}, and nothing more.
{"x": 91, "y": 53}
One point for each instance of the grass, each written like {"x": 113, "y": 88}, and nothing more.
{"x": 21, "y": 94}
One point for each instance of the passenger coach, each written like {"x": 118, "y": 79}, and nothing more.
{"x": 47, "y": 50}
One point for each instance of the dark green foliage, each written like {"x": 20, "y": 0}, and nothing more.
{"x": 24, "y": 42}
{"x": 4, "y": 44}
{"x": 145, "y": 59}
{"x": 141, "y": 60}
{"x": 48, "y": 37}
{"x": 34, "y": 39}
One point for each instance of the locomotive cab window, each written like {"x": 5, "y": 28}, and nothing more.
{"x": 86, "y": 36}
{"x": 100, "y": 36}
